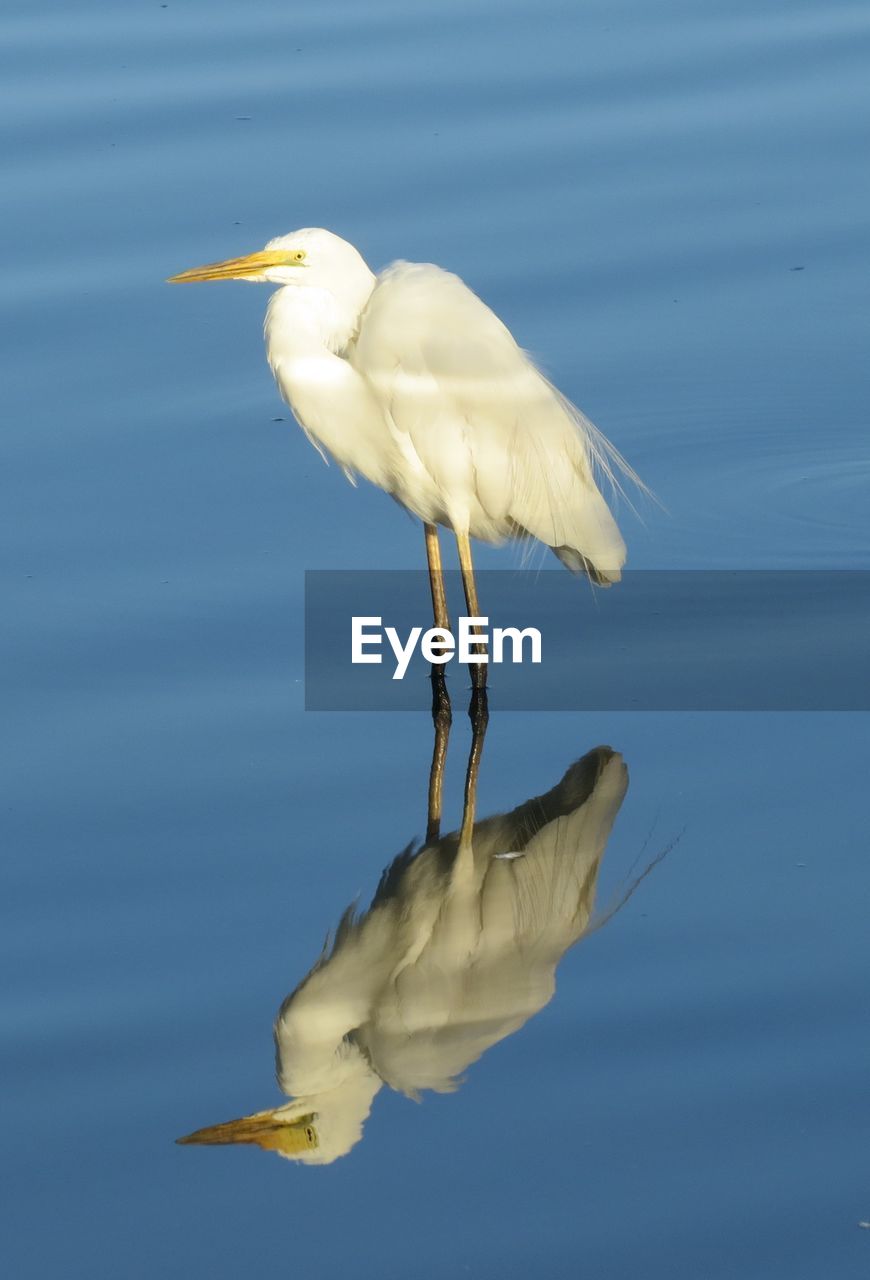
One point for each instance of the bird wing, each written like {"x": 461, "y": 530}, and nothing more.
{"x": 483, "y": 431}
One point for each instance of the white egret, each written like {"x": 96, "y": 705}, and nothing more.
{"x": 408, "y": 379}
{"x": 458, "y": 949}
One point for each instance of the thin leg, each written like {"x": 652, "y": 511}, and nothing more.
{"x": 479, "y": 713}
{"x": 442, "y": 718}
{"x": 436, "y": 577}
{"x": 441, "y": 713}
{"x": 478, "y": 669}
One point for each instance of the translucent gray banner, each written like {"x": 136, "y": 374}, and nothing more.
{"x": 658, "y": 641}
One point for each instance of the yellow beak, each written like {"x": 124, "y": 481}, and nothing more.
{"x": 265, "y": 1128}
{"x": 249, "y": 267}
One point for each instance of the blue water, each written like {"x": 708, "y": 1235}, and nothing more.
{"x": 667, "y": 204}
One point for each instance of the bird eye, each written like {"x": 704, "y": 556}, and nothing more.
{"x": 298, "y": 255}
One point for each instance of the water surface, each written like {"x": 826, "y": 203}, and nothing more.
{"x": 667, "y": 204}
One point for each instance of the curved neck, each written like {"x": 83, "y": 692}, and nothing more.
{"x": 307, "y": 332}
{"x": 301, "y": 320}
{"x": 313, "y": 1059}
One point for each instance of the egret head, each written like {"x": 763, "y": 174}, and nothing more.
{"x": 310, "y": 258}
{"x": 316, "y": 1129}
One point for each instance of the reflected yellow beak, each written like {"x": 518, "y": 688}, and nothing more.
{"x": 266, "y": 1129}
{"x": 252, "y": 265}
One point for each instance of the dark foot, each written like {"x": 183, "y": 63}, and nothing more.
{"x": 478, "y": 709}
{"x": 442, "y": 716}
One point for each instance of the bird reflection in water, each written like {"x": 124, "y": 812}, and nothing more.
{"x": 458, "y": 949}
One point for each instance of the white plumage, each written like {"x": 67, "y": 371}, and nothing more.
{"x": 409, "y": 380}
{"x": 458, "y": 949}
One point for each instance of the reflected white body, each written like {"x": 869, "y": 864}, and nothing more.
{"x": 458, "y": 949}
{"x": 409, "y": 380}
